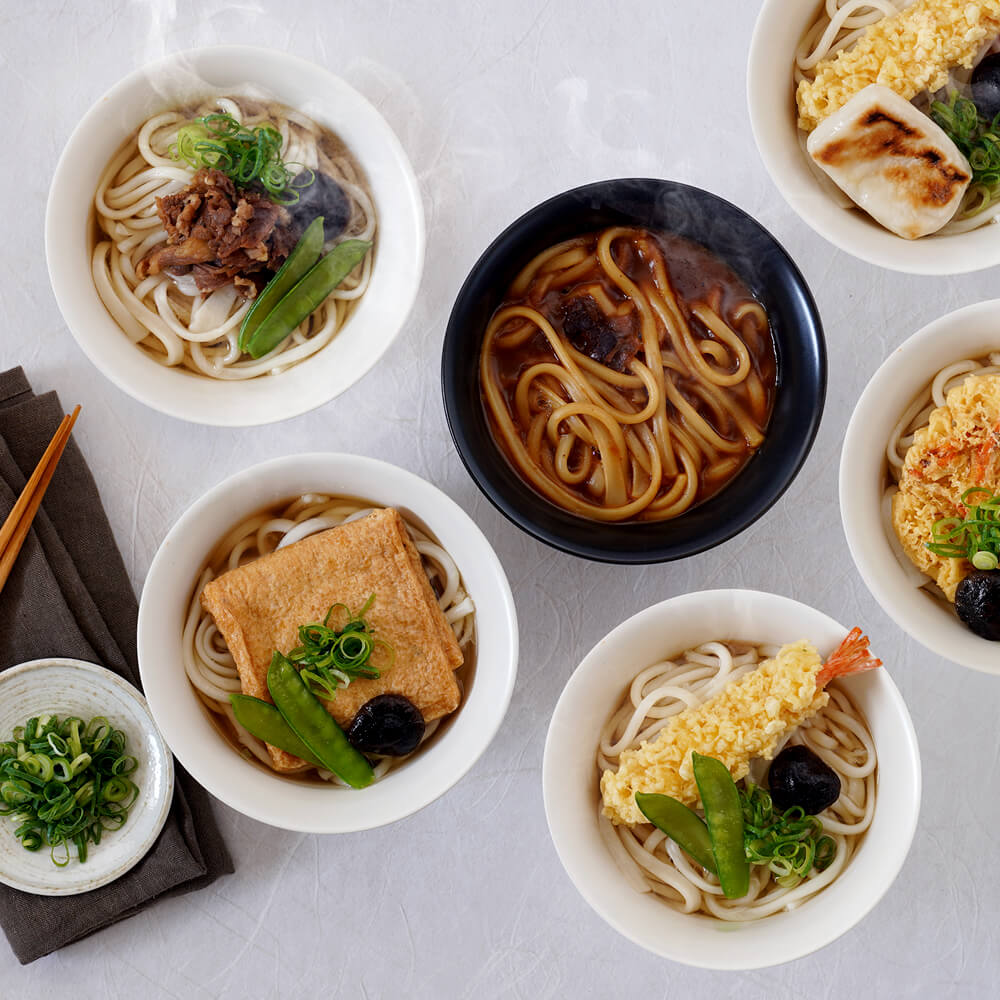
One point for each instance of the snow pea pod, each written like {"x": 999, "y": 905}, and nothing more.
{"x": 724, "y": 817}
{"x": 304, "y": 255}
{"x": 680, "y": 824}
{"x": 311, "y": 722}
{"x": 306, "y": 296}
{"x": 263, "y": 720}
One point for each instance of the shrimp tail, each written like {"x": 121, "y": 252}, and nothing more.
{"x": 850, "y": 657}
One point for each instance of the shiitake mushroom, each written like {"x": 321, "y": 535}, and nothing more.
{"x": 388, "y": 725}
{"x": 977, "y": 603}
{"x": 323, "y": 197}
{"x": 986, "y": 86}
{"x": 799, "y": 778}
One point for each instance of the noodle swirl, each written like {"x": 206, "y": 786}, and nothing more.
{"x": 609, "y": 393}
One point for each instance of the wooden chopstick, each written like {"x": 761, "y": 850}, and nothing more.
{"x": 15, "y": 528}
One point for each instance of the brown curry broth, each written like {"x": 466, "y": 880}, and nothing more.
{"x": 696, "y": 275}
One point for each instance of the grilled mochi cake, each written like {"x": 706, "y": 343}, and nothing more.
{"x": 259, "y": 608}
{"x": 892, "y": 161}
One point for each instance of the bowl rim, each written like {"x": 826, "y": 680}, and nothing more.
{"x": 572, "y": 857}
{"x": 64, "y": 269}
{"x": 492, "y": 702}
{"x": 849, "y": 230}
{"x": 75, "y": 881}
{"x": 881, "y": 571}
{"x": 582, "y": 548}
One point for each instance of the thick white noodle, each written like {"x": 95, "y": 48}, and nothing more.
{"x": 651, "y": 862}
{"x": 208, "y": 663}
{"x": 168, "y": 317}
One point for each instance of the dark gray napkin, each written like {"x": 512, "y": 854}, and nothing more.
{"x": 69, "y": 595}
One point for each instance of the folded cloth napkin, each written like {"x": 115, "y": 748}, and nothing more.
{"x": 69, "y": 595}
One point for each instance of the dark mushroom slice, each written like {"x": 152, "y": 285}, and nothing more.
{"x": 977, "y": 603}
{"x": 389, "y": 725}
{"x": 986, "y": 86}
{"x": 799, "y": 778}
{"x": 323, "y": 197}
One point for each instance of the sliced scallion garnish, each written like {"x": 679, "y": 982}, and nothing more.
{"x": 331, "y": 656}
{"x": 975, "y": 537}
{"x": 245, "y": 155}
{"x": 66, "y": 787}
{"x": 791, "y": 843}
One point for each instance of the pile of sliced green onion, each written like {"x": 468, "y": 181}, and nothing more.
{"x": 245, "y": 155}
{"x": 66, "y": 782}
{"x": 791, "y": 844}
{"x": 975, "y": 537}
{"x": 330, "y": 657}
{"x": 978, "y": 138}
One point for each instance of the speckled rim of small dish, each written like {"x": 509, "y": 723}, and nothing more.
{"x": 108, "y": 860}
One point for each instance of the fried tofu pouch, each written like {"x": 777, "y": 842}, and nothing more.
{"x": 259, "y": 608}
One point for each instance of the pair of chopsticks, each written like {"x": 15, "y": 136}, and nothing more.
{"x": 15, "y": 528}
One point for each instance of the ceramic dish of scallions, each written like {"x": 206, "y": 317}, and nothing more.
{"x": 93, "y": 731}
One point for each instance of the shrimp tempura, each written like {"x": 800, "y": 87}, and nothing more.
{"x": 745, "y": 720}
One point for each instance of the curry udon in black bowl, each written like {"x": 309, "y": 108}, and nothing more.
{"x": 634, "y": 371}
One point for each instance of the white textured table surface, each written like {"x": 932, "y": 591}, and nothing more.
{"x": 498, "y": 106}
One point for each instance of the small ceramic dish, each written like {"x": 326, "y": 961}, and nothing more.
{"x": 72, "y": 687}
{"x": 971, "y": 332}
{"x": 570, "y": 781}
{"x": 246, "y": 785}
{"x": 183, "y": 79}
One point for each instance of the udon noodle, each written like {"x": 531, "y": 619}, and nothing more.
{"x": 839, "y": 25}
{"x": 209, "y": 664}
{"x": 627, "y": 375}
{"x": 915, "y": 417}
{"x": 652, "y": 862}
{"x": 167, "y": 317}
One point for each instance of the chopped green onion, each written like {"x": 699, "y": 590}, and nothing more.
{"x": 245, "y": 155}
{"x": 975, "y": 537}
{"x": 63, "y": 786}
{"x": 791, "y": 844}
{"x": 978, "y": 138}
{"x": 331, "y": 657}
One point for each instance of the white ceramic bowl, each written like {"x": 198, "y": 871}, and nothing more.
{"x": 181, "y": 79}
{"x": 771, "y": 100}
{"x": 967, "y": 333}
{"x": 570, "y": 783}
{"x": 64, "y": 687}
{"x": 183, "y": 720}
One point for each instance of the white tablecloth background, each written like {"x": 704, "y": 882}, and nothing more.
{"x": 498, "y": 105}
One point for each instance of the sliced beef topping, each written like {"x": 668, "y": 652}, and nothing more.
{"x": 612, "y": 340}
{"x": 221, "y": 234}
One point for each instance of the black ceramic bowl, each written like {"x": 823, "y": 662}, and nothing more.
{"x": 767, "y": 270}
